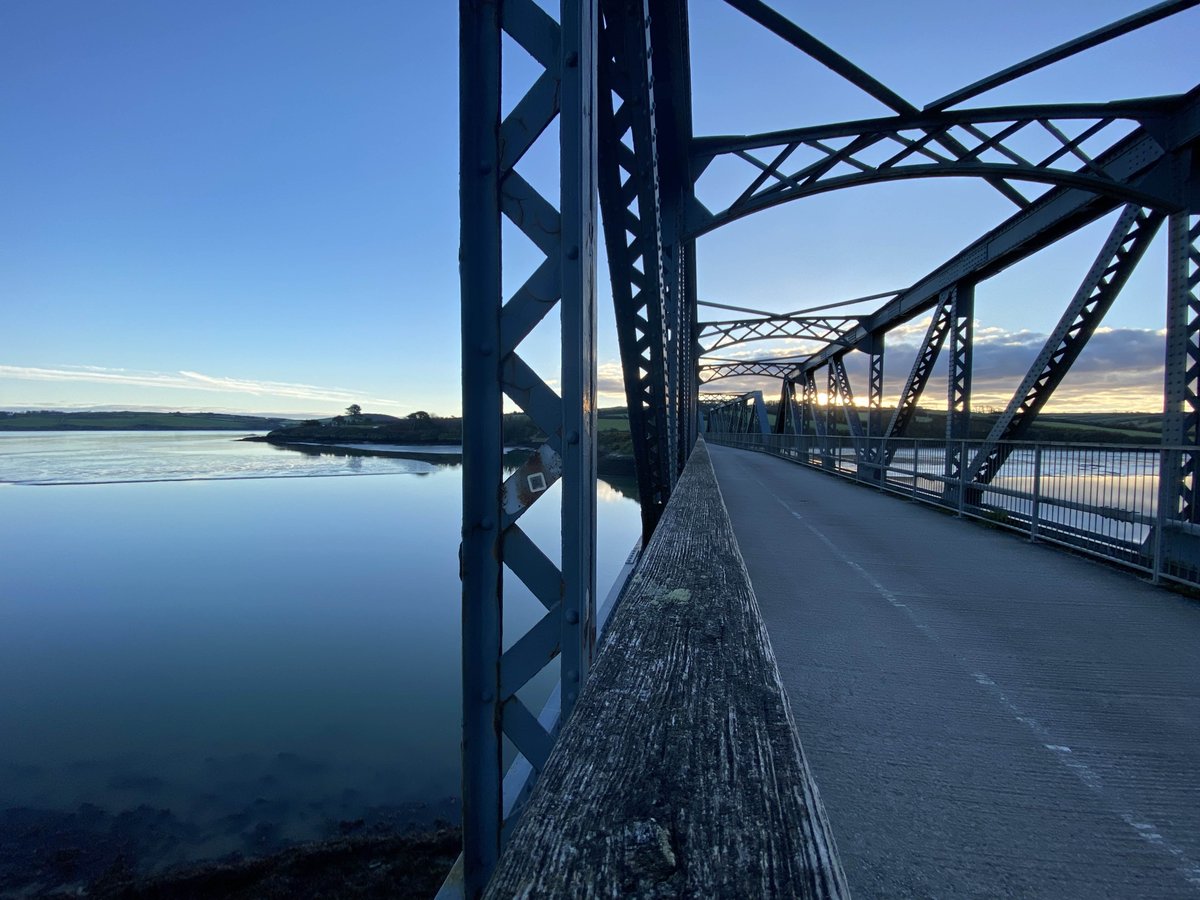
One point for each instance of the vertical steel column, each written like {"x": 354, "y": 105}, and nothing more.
{"x": 577, "y": 154}
{"x": 874, "y": 444}
{"x": 479, "y": 173}
{"x": 875, "y": 387}
{"x": 1179, "y": 492}
{"x": 831, "y": 399}
{"x": 692, "y": 372}
{"x": 958, "y": 380}
{"x": 493, "y": 329}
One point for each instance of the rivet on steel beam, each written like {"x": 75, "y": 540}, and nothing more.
{"x": 572, "y": 675}
{"x": 573, "y": 253}
{"x": 572, "y": 437}
{"x": 572, "y": 617}
{"x": 485, "y": 349}
{"x": 572, "y": 59}
{"x": 487, "y": 696}
{"x": 486, "y": 523}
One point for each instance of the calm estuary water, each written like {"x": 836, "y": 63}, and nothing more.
{"x": 206, "y": 647}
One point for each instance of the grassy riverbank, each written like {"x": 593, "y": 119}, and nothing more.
{"x": 50, "y": 420}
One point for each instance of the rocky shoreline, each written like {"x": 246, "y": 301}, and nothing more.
{"x": 94, "y": 853}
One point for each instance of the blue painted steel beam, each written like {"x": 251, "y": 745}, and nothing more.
{"x": 493, "y": 329}
{"x": 1056, "y": 54}
{"x": 479, "y": 173}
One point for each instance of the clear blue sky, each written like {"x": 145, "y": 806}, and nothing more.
{"x": 253, "y": 205}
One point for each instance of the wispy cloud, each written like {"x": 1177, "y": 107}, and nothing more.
{"x": 184, "y": 380}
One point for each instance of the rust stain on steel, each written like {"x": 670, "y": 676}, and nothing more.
{"x": 533, "y": 478}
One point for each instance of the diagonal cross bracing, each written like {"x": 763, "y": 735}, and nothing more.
{"x": 918, "y": 376}
{"x": 845, "y": 398}
{"x": 1118, "y": 257}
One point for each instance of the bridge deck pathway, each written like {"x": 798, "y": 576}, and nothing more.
{"x": 984, "y": 717}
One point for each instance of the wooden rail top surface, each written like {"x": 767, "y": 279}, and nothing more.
{"x": 680, "y": 772}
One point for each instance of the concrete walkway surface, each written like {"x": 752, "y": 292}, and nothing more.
{"x": 984, "y": 717}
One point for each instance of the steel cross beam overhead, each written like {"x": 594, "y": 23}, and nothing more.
{"x": 713, "y": 370}
{"x": 827, "y": 329}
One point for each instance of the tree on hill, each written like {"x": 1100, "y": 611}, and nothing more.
{"x": 420, "y": 416}
{"x": 354, "y": 410}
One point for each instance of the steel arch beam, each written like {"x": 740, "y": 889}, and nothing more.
{"x": 1122, "y": 174}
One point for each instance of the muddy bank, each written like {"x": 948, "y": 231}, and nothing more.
{"x": 392, "y": 866}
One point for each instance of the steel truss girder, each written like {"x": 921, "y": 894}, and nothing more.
{"x": 829, "y": 329}
{"x": 631, "y": 205}
{"x": 1118, "y": 257}
{"x": 493, "y": 328}
{"x": 907, "y": 142}
{"x": 1179, "y": 481}
{"x": 744, "y": 414}
{"x": 1139, "y": 157}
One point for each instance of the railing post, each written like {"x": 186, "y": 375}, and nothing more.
{"x": 1165, "y": 489}
{"x": 962, "y": 486}
{"x": 882, "y": 460}
{"x": 1037, "y": 493}
{"x": 916, "y": 461}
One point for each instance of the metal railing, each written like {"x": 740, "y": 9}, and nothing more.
{"x": 1099, "y": 499}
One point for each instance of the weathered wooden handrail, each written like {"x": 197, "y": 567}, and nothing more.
{"x": 680, "y": 772}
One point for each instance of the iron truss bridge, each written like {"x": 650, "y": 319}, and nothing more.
{"x": 614, "y": 88}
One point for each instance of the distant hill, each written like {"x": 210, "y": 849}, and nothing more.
{"x": 49, "y": 420}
